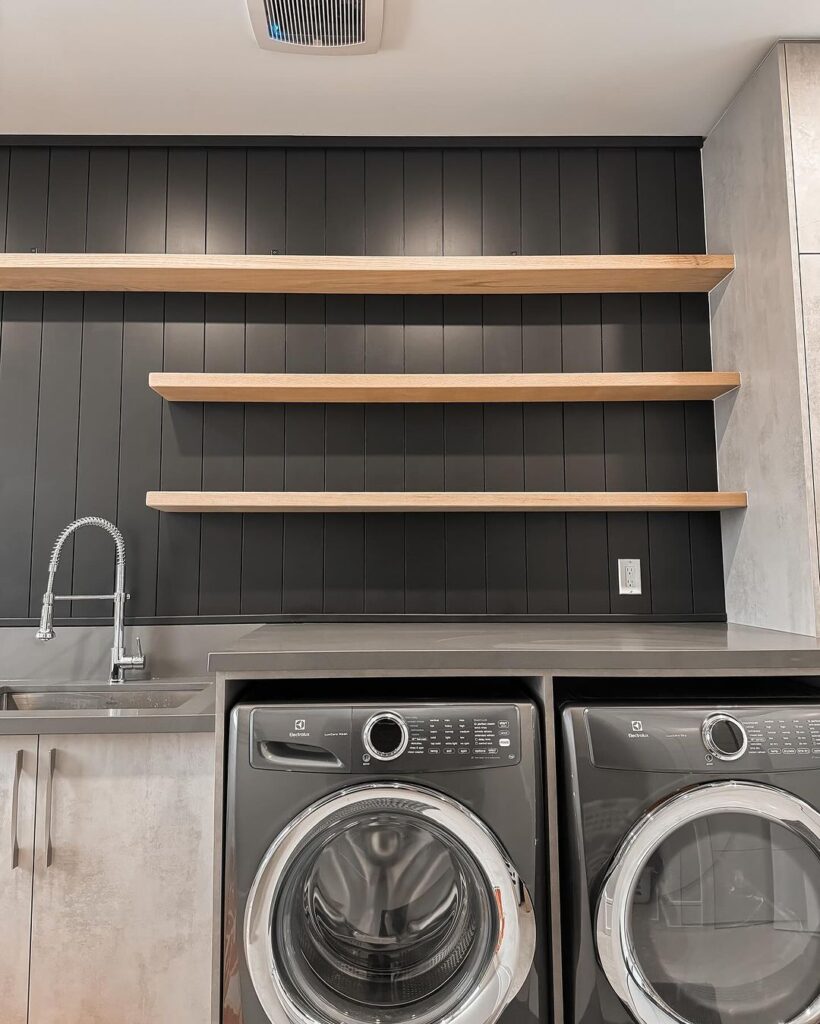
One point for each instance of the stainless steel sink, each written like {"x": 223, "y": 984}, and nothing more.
{"x": 110, "y": 699}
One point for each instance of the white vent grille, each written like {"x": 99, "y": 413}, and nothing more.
{"x": 318, "y": 26}
{"x": 314, "y": 24}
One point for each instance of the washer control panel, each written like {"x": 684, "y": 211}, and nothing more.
{"x": 423, "y": 738}
{"x": 751, "y": 738}
{"x": 392, "y": 740}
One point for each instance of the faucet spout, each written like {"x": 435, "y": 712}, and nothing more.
{"x": 120, "y": 661}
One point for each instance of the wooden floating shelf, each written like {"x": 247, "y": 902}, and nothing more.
{"x": 445, "y": 501}
{"x": 360, "y": 275}
{"x": 443, "y": 387}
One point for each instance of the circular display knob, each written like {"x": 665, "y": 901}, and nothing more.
{"x": 724, "y": 737}
{"x": 385, "y": 735}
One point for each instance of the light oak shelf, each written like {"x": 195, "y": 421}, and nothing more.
{"x": 359, "y": 275}
{"x": 445, "y": 501}
{"x": 443, "y": 387}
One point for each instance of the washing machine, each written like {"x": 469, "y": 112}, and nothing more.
{"x": 692, "y": 864}
{"x": 383, "y": 864}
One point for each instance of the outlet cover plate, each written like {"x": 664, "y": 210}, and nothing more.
{"x": 629, "y": 576}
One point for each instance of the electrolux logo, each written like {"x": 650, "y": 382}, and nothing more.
{"x": 637, "y": 732}
{"x": 300, "y": 729}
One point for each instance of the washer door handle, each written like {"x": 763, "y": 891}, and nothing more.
{"x": 613, "y": 925}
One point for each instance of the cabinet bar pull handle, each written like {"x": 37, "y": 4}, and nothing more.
{"x": 52, "y": 759}
{"x": 15, "y": 808}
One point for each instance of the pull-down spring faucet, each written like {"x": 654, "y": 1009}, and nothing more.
{"x": 120, "y": 661}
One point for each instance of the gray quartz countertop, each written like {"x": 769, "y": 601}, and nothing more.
{"x": 55, "y": 706}
{"x": 315, "y": 648}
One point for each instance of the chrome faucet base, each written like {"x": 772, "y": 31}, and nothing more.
{"x": 120, "y": 661}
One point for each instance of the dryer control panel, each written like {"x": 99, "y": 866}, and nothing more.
{"x": 762, "y": 738}
{"x": 383, "y": 740}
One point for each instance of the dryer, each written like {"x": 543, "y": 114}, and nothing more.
{"x": 384, "y": 864}
{"x": 692, "y": 864}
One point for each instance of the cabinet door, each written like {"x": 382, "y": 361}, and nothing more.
{"x": 122, "y": 908}
{"x": 18, "y": 776}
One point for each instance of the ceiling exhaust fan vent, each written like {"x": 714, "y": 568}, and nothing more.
{"x": 318, "y": 26}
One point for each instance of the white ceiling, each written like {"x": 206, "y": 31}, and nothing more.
{"x": 447, "y": 67}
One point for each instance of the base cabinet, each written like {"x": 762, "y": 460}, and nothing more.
{"x": 120, "y": 900}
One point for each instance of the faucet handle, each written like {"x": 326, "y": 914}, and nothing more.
{"x": 130, "y": 661}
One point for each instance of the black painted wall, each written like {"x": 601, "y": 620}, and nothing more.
{"x": 81, "y": 433}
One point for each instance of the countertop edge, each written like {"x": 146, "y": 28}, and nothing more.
{"x": 24, "y": 724}
{"x": 278, "y": 663}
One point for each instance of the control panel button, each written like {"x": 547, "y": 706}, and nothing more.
{"x": 385, "y": 736}
{"x": 724, "y": 737}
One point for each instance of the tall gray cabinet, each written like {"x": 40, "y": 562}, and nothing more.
{"x": 761, "y": 175}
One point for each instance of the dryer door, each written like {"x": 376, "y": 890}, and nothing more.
{"x": 385, "y": 904}
{"x": 710, "y": 911}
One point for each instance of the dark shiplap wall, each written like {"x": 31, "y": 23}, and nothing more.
{"x": 81, "y": 433}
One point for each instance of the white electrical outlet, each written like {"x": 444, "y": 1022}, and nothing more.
{"x": 629, "y": 575}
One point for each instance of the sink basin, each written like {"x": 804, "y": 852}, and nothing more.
{"x": 115, "y": 699}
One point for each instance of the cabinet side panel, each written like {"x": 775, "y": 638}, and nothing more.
{"x": 769, "y": 552}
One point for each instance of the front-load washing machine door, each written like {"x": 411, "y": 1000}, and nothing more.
{"x": 710, "y": 911}
{"x": 386, "y": 904}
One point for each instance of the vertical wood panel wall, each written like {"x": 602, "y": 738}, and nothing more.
{"x": 81, "y": 433}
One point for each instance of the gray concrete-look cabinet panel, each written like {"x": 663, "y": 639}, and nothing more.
{"x": 802, "y": 77}
{"x": 121, "y": 912}
{"x": 802, "y": 67}
{"x": 764, "y": 432}
{"x": 18, "y": 774}
{"x": 809, "y": 265}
